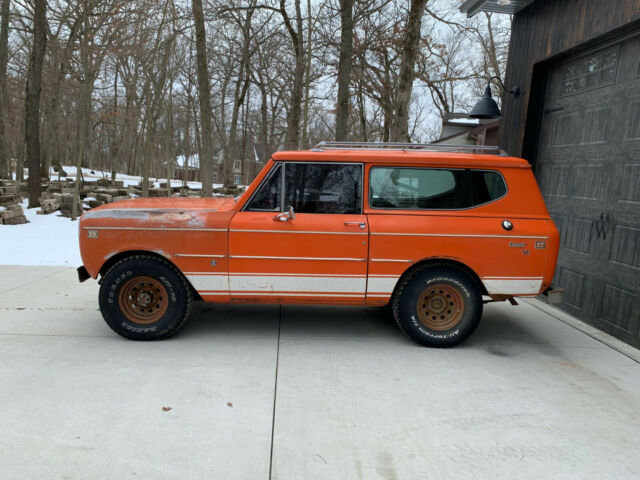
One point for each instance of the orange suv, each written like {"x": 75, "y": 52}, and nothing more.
{"x": 435, "y": 231}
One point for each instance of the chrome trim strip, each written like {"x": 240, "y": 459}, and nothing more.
{"x": 269, "y": 274}
{"x": 291, "y": 294}
{"x": 154, "y": 209}
{"x": 160, "y": 228}
{"x": 512, "y": 278}
{"x": 299, "y": 258}
{"x": 206, "y": 273}
{"x": 454, "y": 235}
{"x": 197, "y": 255}
{"x": 297, "y": 231}
{"x": 390, "y": 260}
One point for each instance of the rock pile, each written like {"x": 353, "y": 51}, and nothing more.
{"x": 57, "y": 196}
{"x": 12, "y": 215}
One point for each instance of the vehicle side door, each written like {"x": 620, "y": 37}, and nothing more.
{"x": 302, "y": 237}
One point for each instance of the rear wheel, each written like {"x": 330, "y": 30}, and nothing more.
{"x": 144, "y": 298}
{"x": 438, "y": 306}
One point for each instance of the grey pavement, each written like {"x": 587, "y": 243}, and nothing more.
{"x": 299, "y": 392}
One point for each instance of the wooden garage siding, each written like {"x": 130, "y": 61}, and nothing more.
{"x": 548, "y": 28}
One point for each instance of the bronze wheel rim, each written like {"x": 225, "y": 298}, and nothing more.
{"x": 143, "y": 300}
{"x": 440, "y": 307}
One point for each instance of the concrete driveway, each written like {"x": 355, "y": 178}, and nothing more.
{"x": 259, "y": 392}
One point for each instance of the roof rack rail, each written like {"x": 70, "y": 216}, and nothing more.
{"x": 432, "y": 147}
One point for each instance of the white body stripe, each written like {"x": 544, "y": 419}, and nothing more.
{"x": 209, "y": 282}
{"x": 329, "y": 285}
{"x": 512, "y": 285}
{"x": 382, "y": 285}
{"x": 267, "y": 283}
{"x": 277, "y": 283}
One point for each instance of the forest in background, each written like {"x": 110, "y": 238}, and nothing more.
{"x": 128, "y": 86}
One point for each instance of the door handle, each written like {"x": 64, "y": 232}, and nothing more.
{"x": 353, "y": 224}
{"x": 289, "y": 214}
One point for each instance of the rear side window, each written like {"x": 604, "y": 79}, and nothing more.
{"x": 323, "y": 187}
{"x": 432, "y": 188}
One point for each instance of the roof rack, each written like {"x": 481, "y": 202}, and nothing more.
{"x": 431, "y": 147}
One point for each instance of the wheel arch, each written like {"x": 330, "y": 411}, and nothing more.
{"x": 112, "y": 260}
{"x": 440, "y": 261}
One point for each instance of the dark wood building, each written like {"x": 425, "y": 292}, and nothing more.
{"x": 577, "y": 121}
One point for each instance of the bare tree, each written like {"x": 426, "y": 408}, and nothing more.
{"x": 344, "y": 69}
{"x": 400, "y": 125}
{"x": 206, "y": 153}
{"x": 32, "y": 100}
{"x": 4, "y": 54}
{"x": 292, "y": 139}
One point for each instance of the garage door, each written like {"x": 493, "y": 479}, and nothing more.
{"x": 589, "y": 171}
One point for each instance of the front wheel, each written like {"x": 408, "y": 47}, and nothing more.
{"x": 438, "y": 306}
{"x": 144, "y": 298}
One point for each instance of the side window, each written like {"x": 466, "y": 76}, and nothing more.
{"x": 433, "y": 189}
{"x": 323, "y": 187}
{"x": 270, "y": 192}
{"x": 408, "y": 187}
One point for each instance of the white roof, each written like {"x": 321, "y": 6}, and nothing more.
{"x": 193, "y": 161}
{"x": 464, "y": 121}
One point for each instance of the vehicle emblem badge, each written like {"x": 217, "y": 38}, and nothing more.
{"x": 92, "y": 233}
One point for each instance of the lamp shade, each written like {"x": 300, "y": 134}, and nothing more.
{"x": 486, "y": 107}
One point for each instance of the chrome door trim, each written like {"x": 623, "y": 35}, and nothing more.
{"x": 325, "y": 259}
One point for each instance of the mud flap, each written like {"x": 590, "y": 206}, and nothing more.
{"x": 83, "y": 274}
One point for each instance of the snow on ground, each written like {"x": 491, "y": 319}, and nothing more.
{"x": 47, "y": 240}
{"x": 53, "y": 239}
{"x": 128, "y": 180}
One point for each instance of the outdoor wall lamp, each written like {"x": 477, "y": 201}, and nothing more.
{"x": 487, "y": 106}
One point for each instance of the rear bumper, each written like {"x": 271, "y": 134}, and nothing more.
{"x": 555, "y": 295}
{"x": 83, "y": 274}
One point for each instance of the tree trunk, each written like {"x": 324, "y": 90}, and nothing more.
{"x": 32, "y": 100}
{"x": 114, "y": 131}
{"x": 85, "y": 106}
{"x": 264, "y": 123}
{"x": 344, "y": 69}
{"x": 307, "y": 81}
{"x": 4, "y": 55}
{"x": 292, "y": 138}
{"x": 411, "y": 41}
{"x": 206, "y": 153}
{"x": 242, "y": 85}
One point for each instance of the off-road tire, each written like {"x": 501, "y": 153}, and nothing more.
{"x": 173, "y": 307}
{"x": 433, "y": 283}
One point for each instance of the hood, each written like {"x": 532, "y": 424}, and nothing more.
{"x": 160, "y": 213}
{"x": 214, "y": 204}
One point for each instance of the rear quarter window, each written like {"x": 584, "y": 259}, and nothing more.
{"x": 433, "y": 188}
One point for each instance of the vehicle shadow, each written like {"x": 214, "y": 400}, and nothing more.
{"x": 502, "y": 332}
